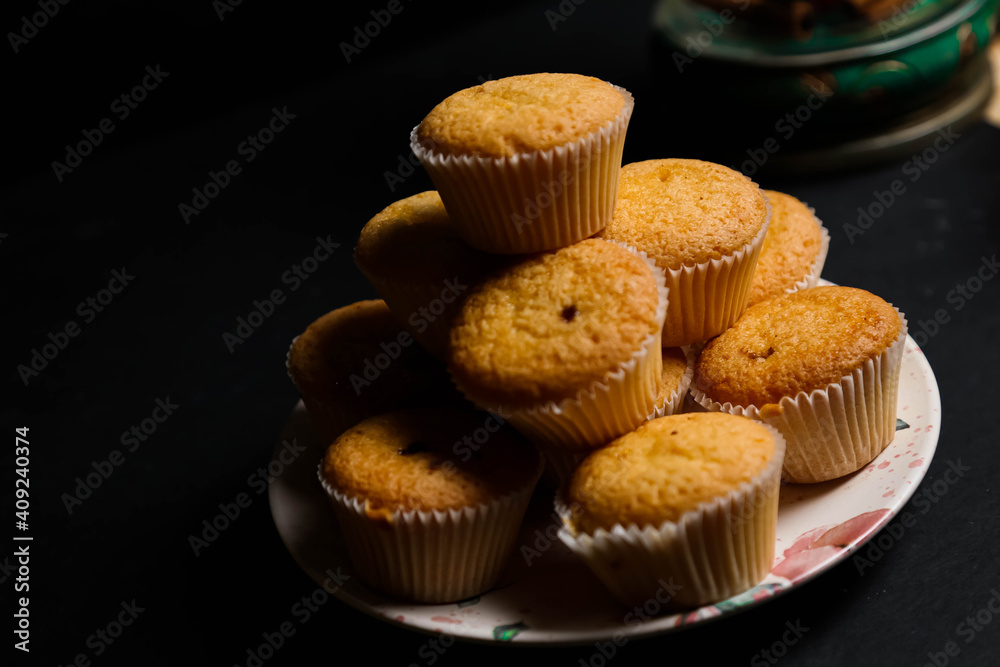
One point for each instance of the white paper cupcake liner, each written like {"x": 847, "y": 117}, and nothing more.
{"x": 598, "y": 414}
{"x": 674, "y": 403}
{"x": 534, "y": 201}
{"x": 708, "y": 297}
{"x": 431, "y": 557}
{"x": 834, "y": 431}
{"x": 715, "y": 551}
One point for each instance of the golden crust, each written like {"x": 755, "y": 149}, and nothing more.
{"x": 412, "y": 239}
{"x": 685, "y": 212}
{"x": 328, "y": 361}
{"x": 795, "y": 342}
{"x": 790, "y": 249}
{"x": 520, "y": 114}
{"x": 427, "y": 460}
{"x": 553, "y": 324}
{"x": 665, "y": 468}
{"x": 674, "y": 367}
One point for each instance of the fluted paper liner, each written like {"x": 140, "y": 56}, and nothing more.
{"x": 436, "y": 556}
{"x": 834, "y": 431}
{"x": 717, "y": 550}
{"x": 536, "y": 201}
{"x": 606, "y": 409}
{"x": 675, "y": 402}
{"x": 707, "y": 298}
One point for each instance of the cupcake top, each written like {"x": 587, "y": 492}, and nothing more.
{"x": 412, "y": 239}
{"x": 520, "y": 114}
{"x": 674, "y": 367}
{"x": 791, "y": 247}
{"x": 417, "y": 460}
{"x": 553, "y": 324}
{"x": 796, "y": 342}
{"x": 359, "y": 358}
{"x": 666, "y": 467}
{"x": 685, "y": 212}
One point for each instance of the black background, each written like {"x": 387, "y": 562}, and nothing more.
{"x": 324, "y": 175}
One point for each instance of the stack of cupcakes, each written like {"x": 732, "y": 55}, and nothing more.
{"x": 578, "y": 300}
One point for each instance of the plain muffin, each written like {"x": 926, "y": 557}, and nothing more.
{"x": 419, "y": 266}
{"x": 426, "y": 517}
{"x": 795, "y": 343}
{"x": 520, "y": 114}
{"x": 703, "y": 224}
{"x": 567, "y": 342}
{"x": 688, "y": 499}
{"x": 409, "y": 460}
{"x": 529, "y": 162}
{"x": 667, "y": 467}
{"x": 822, "y": 366}
{"x": 553, "y": 324}
{"x": 357, "y": 361}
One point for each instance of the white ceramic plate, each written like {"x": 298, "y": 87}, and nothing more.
{"x": 554, "y": 599}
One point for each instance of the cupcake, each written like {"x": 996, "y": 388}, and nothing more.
{"x": 527, "y": 163}
{"x": 821, "y": 365}
{"x": 703, "y": 224}
{"x": 426, "y": 517}
{"x": 566, "y": 343}
{"x": 413, "y": 257}
{"x": 357, "y": 361}
{"x": 688, "y": 502}
{"x": 794, "y": 249}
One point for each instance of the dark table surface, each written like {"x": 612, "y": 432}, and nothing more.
{"x": 160, "y": 337}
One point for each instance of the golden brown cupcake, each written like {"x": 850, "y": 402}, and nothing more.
{"x": 678, "y": 369}
{"x": 703, "y": 224}
{"x": 822, "y": 366}
{"x": 566, "y": 343}
{"x": 357, "y": 361}
{"x": 529, "y": 162}
{"x": 419, "y": 265}
{"x": 425, "y": 517}
{"x": 690, "y": 499}
{"x": 794, "y": 249}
